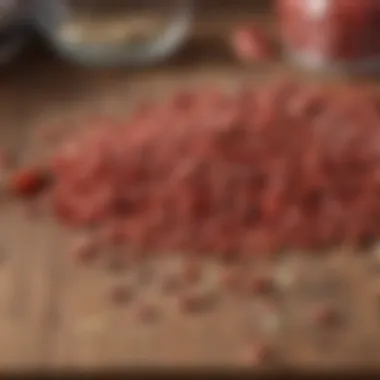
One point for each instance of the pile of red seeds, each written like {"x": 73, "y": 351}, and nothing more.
{"x": 260, "y": 170}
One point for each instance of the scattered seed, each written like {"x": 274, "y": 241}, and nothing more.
{"x": 148, "y": 313}
{"x": 325, "y": 316}
{"x": 121, "y": 294}
{"x": 196, "y": 302}
{"x": 116, "y": 264}
{"x": 192, "y": 272}
{"x": 171, "y": 284}
{"x": 230, "y": 279}
{"x": 260, "y": 354}
{"x": 84, "y": 249}
{"x": 260, "y": 285}
{"x": 28, "y": 182}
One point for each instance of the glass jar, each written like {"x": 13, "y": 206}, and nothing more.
{"x": 332, "y": 33}
{"x": 100, "y": 32}
{"x": 14, "y": 27}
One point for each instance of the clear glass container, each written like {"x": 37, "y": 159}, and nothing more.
{"x": 105, "y": 32}
{"x": 332, "y": 33}
{"x": 14, "y": 27}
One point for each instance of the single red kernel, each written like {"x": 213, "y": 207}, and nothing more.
{"x": 196, "y": 302}
{"x": 171, "y": 283}
{"x": 260, "y": 285}
{"x": 121, "y": 294}
{"x": 28, "y": 182}
{"x": 192, "y": 272}
{"x": 325, "y": 316}
{"x": 148, "y": 313}
{"x": 230, "y": 279}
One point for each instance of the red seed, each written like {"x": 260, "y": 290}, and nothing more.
{"x": 148, "y": 313}
{"x": 117, "y": 264}
{"x": 196, "y": 302}
{"x": 242, "y": 174}
{"x": 192, "y": 272}
{"x": 121, "y": 294}
{"x": 261, "y": 354}
{"x": 28, "y": 182}
{"x": 84, "y": 249}
{"x": 171, "y": 283}
{"x": 260, "y": 285}
{"x": 231, "y": 279}
{"x": 325, "y": 316}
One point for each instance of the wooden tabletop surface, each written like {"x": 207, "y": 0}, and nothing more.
{"x": 55, "y": 314}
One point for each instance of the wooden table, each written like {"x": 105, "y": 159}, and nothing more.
{"x": 55, "y": 314}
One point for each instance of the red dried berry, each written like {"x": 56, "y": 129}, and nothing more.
{"x": 28, "y": 182}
